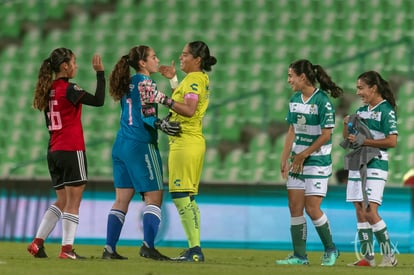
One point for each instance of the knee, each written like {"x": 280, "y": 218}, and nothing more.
{"x": 153, "y": 198}
{"x": 60, "y": 205}
{"x": 314, "y": 212}
{"x": 295, "y": 211}
{"x": 121, "y": 204}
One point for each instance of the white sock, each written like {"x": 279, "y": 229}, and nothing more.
{"x": 49, "y": 221}
{"x": 69, "y": 225}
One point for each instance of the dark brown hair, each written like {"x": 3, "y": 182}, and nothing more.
{"x": 200, "y": 49}
{"x": 120, "y": 76}
{"x": 45, "y": 77}
{"x": 316, "y": 73}
{"x": 372, "y": 78}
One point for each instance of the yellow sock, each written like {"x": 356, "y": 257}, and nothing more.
{"x": 189, "y": 220}
{"x": 198, "y": 220}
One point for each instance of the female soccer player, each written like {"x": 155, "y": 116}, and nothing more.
{"x": 136, "y": 159}
{"x": 62, "y": 103}
{"x": 308, "y": 146}
{"x": 379, "y": 116}
{"x": 188, "y": 105}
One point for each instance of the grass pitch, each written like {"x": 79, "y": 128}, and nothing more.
{"x": 15, "y": 260}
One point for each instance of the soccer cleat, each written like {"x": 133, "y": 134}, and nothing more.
{"x": 364, "y": 262}
{"x": 293, "y": 260}
{"x": 388, "y": 261}
{"x": 329, "y": 258}
{"x": 106, "y": 255}
{"x": 152, "y": 253}
{"x": 38, "y": 251}
{"x": 193, "y": 254}
{"x": 71, "y": 255}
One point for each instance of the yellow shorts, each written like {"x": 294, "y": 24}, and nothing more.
{"x": 185, "y": 165}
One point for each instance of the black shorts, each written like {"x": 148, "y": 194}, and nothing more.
{"x": 67, "y": 168}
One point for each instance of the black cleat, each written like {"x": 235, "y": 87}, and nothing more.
{"x": 193, "y": 254}
{"x": 152, "y": 253}
{"x": 106, "y": 255}
{"x": 37, "y": 251}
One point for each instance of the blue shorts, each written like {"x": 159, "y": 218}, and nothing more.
{"x": 136, "y": 165}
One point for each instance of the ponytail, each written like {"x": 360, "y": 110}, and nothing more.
{"x": 121, "y": 75}
{"x": 43, "y": 85}
{"x": 119, "y": 79}
{"x": 45, "y": 77}
{"x": 326, "y": 82}
{"x": 316, "y": 73}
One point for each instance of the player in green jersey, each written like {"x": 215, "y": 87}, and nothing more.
{"x": 306, "y": 158}
{"x": 378, "y": 113}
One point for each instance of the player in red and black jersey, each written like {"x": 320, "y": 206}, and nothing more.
{"x": 62, "y": 103}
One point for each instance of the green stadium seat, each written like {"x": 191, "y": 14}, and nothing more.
{"x": 212, "y": 163}
{"x": 228, "y": 127}
{"x": 254, "y": 42}
{"x": 233, "y": 166}
{"x": 10, "y": 20}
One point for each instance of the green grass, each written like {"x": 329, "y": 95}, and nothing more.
{"x": 15, "y": 260}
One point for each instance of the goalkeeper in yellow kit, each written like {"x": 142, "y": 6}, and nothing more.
{"x": 188, "y": 104}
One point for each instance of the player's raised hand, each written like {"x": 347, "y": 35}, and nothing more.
{"x": 149, "y": 94}
{"x": 97, "y": 63}
{"x": 168, "y": 71}
{"x": 147, "y": 88}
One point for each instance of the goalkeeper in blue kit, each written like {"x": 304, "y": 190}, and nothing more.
{"x": 137, "y": 166}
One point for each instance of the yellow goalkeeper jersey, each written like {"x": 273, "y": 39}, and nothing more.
{"x": 196, "y": 83}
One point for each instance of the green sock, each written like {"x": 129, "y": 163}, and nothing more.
{"x": 188, "y": 220}
{"x": 365, "y": 237}
{"x": 381, "y": 233}
{"x": 325, "y": 235}
{"x": 324, "y": 232}
{"x": 299, "y": 234}
{"x": 383, "y": 241}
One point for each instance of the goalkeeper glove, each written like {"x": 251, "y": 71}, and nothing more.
{"x": 149, "y": 94}
{"x": 171, "y": 128}
{"x": 148, "y": 110}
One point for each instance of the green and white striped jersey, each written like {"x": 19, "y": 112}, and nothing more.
{"x": 308, "y": 119}
{"x": 382, "y": 121}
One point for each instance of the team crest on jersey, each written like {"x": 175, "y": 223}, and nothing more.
{"x": 313, "y": 109}
{"x": 375, "y": 115}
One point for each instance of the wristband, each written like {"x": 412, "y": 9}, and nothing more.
{"x": 169, "y": 102}
{"x": 174, "y": 82}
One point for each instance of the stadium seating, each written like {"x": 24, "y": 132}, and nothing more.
{"x": 254, "y": 42}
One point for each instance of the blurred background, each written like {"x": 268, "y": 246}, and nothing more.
{"x": 254, "y": 43}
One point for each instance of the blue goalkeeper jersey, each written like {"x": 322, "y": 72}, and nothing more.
{"x": 133, "y": 124}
